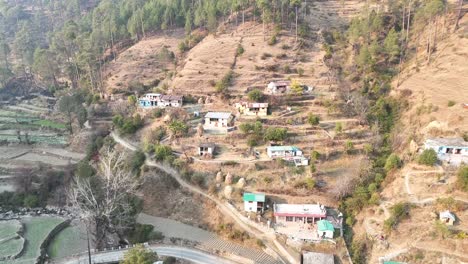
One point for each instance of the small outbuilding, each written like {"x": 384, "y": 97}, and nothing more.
{"x": 252, "y": 109}
{"x": 278, "y": 87}
{"x": 447, "y": 217}
{"x": 254, "y": 202}
{"x": 206, "y": 149}
{"x": 316, "y": 258}
{"x": 325, "y": 229}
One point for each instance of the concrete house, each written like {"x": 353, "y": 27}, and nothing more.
{"x": 288, "y": 153}
{"x": 325, "y": 229}
{"x": 316, "y": 258}
{"x": 206, "y": 149}
{"x": 254, "y": 202}
{"x": 278, "y": 87}
{"x": 149, "y": 100}
{"x": 171, "y": 100}
{"x": 252, "y": 109}
{"x": 218, "y": 120}
{"x": 152, "y": 100}
{"x": 286, "y": 214}
{"x": 451, "y": 150}
{"x": 447, "y": 217}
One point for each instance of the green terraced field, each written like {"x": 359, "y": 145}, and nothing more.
{"x": 10, "y": 242}
{"x": 36, "y": 230}
{"x": 69, "y": 241}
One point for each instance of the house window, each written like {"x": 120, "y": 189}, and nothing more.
{"x": 289, "y": 218}
{"x": 299, "y": 219}
{"x": 458, "y": 151}
{"x": 448, "y": 150}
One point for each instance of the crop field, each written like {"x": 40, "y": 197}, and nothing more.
{"x": 71, "y": 240}
{"x": 36, "y": 230}
{"x": 10, "y": 242}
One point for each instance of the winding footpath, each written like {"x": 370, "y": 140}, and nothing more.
{"x": 269, "y": 239}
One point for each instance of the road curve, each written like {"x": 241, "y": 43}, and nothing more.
{"x": 193, "y": 255}
{"x": 270, "y": 240}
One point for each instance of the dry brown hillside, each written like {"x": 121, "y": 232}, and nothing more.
{"x": 141, "y": 63}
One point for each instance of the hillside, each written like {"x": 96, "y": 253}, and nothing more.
{"x": 434, "y": 95}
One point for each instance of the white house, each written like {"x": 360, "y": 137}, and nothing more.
{"x": 254, "y": 202}
{"x": 278, "y": 87}
{"x": 325, "y": 229}
{"x": 298, "y": 213}
{"x": 206, "y": 149}
{"x": 289, "y": 153}
{"x": 451, "y": 150}
{"x": 218, "y": 120}
{"x": 171, "y": 100}
{"x": 447, "y": 217}
{"x": 252, "y": 109}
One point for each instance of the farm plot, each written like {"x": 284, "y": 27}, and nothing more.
{"x": 36, "y": 230}
{"x": 11, "y": 242}
{"x": 69, "y": 241}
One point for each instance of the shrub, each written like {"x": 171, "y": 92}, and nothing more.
{"x": 300, "y": 71}
{"x": 313, "y": 120}
{"x": 137, "y": 160}
{"x": 392, "y": 162}
{"x": 285, "y": 46}
{"x": 158, "y": 112}
{"x": 349, "y": 146}
{"x": 313, "y": 168}
{"x": 141, "y": 233}
{"x": 315, "y": 155}
{"x": 170, "y": 260}
{"x": 265, "y": 55}
{"x": 276, "y": 134}
{"x": 398, "y": 212}
{"x": 224, "y": 83}
{"x": 132, "y": 99}
{"x": 198, "y": 179}
{"x": 428, "y": 157}
{"x": 256, "y": 95}
{"x": 240, "y": 50}
{"x": 31, "y": 201}
{"x": 273, "y": 40}
{"x": 451, "y": 103}
{"x": 462, "y": 178}
{"x": 128, "y": 125}
{"x": 286, "y": 69}
{"x": 178, "y": 128}
{"x": 339, "y": 127}
{"x": 162, "y": 152}
{"x": 252, "y": 128}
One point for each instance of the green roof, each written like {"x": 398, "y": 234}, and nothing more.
{"x": 324, "y": 225}
{"x": 254, "y": 197}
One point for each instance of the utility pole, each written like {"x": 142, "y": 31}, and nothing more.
{"x": 89, "y": 249}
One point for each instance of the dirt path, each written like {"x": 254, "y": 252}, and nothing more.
{"x": 269, "y": 239}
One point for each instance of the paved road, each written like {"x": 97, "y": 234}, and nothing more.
{"x": 193, "y": 255}
{"x": 269, "y": 239}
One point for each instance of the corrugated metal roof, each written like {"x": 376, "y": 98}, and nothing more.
{"x": 283, "y": 148}
{"x": 325, "y": 225}
{"x": 219, "y": 115}
{"x": 254, "y": 197}
{"x": 171, "y": 97}
{"x": 317, "y": 258}
{"x": 449, "y": 142}
{"x": 300, "y": 209}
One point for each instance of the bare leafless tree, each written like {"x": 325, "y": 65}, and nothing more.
{"x": 360, "y": 106}
{"x": 104, "y": 201}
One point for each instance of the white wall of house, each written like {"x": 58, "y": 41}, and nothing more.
{"x": 216, "y": 123}
{"x": 327, "y": 234}
{"x": 250, "y": 206}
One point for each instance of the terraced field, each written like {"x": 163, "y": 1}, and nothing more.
{"x": 18, "y": 126}
{"x": 71, "y": 240}
{"x": 36, "y": 230}
{"x": 11, "y": 242}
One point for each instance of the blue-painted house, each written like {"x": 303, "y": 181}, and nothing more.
{"x": 451, "y": 150}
